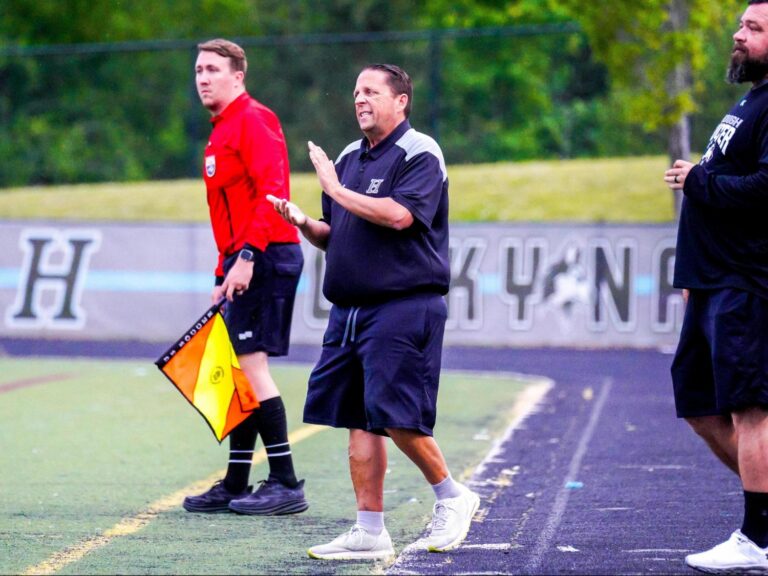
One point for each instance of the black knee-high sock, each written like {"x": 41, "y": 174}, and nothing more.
{"x": 273, "y": 428}
{"x": 242, "y": 441}
{"x": 755, "y": 525}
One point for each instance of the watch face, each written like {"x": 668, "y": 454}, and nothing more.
{"x": 246, "y": 255}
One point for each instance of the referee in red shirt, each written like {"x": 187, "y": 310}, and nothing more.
{"x": 258, "y": 270}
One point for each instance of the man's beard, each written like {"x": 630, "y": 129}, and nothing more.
{"x": 742, "y": 68}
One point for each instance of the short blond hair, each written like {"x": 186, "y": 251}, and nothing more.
{"x": 234, "y": 53}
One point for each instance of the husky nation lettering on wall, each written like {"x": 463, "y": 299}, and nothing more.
{"x": 548, "y": 288}
{"x": 51, "y": 279}
{"x": 667, "y": 301}
{"x": 511, "y": 285}
{"x": 465, "y": 298}
{"x": 592, "y": 282}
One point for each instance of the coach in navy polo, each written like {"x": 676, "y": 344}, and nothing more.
{"x": 385, "y": 232}
{"x": 376, "y": 263}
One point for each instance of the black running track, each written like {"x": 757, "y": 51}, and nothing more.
{"x": 601, "y": 479}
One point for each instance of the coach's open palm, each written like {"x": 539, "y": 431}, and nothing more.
{"x": 288, "y": 210}
{"x": 326, "y": 171}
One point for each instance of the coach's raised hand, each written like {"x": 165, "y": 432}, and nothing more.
{"x": 325, "y": 169}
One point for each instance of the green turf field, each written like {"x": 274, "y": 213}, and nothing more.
{"x": 97, "y": 455}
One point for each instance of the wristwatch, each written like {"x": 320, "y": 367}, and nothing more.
{"x": 246, "y": 255}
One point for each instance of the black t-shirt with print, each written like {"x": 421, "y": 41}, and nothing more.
{"x": 723, "y": 233}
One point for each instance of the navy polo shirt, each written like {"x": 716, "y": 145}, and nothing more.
{"x": 367, "y": 263}
{"x": 723, "y": 236}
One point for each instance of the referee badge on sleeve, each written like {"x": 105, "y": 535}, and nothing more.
{"x": 210, "y": 166}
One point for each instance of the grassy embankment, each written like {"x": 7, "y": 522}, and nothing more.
{"x": 611, "y": 190}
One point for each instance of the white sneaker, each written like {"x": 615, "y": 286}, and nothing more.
{"x": 451, "y": 518}
{"x": 357, "y": 544}
{"x": 737, "y": 555}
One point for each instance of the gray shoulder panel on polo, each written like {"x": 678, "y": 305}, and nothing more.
{"x": 415, "y": 143}
{"x": 349, "y": 149}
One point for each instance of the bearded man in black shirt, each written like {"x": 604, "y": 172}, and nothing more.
{"x": 720, "y": 369}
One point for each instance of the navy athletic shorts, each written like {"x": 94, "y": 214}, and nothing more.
{"x": 380, "y": 366}
{"x": 259, "y": 319}
{"x": 721, "y": 363}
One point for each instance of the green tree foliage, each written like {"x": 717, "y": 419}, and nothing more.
{"x": 541, "y": 95}
{"x": 657, "y": 56}
{"x": 658, "y": 52}
{"x": 82, "y": 99}
{"x": 96, "y": 116}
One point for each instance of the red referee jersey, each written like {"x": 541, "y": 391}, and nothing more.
{"x": 246, "y": 158}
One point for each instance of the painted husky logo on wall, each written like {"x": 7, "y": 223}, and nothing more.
{"x": 52, "y": 278}
{"x": 566, "y": 283}
{"x": 591, "y": 278}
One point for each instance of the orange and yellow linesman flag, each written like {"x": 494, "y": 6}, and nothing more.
{"x": 204, "y": 367}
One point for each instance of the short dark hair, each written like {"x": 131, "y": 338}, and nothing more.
{"x": 227, "y": 49}
{"x": 398, "y": 80}
{"x": 750, "y": 2}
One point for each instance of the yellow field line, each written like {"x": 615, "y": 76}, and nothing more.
{"x": 128, "y": 526}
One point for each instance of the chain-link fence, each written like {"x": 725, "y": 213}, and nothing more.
{"x": 129, "y": 111}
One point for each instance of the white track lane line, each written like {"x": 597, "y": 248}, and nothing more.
{"x": 561, "y": 501}
{"x": 525, "y": 405}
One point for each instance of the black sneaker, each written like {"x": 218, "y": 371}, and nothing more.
{"x": 216, "y": 499}
{"x": 271, "y": 499}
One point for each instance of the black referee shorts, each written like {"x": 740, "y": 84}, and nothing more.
{"x": 259, "y": 319}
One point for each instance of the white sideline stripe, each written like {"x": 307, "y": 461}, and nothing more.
{"x": 133, "y": 524}
{"x": 656, "y": 550}
{"x": 501, "y": 546}
{"x": 561, "y": 501}
{"x": 525, "y": 404}
{"x": 279, "y": 454}
{"x": 652, "y": 467}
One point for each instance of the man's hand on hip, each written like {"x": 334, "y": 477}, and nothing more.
{"x": 238, "y": 279}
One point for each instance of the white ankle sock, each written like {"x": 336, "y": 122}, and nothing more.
{"x": 448, "y": 488}
{"x": 371, "y": 522}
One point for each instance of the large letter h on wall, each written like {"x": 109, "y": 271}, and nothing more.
{"x": 55, "y": 263}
